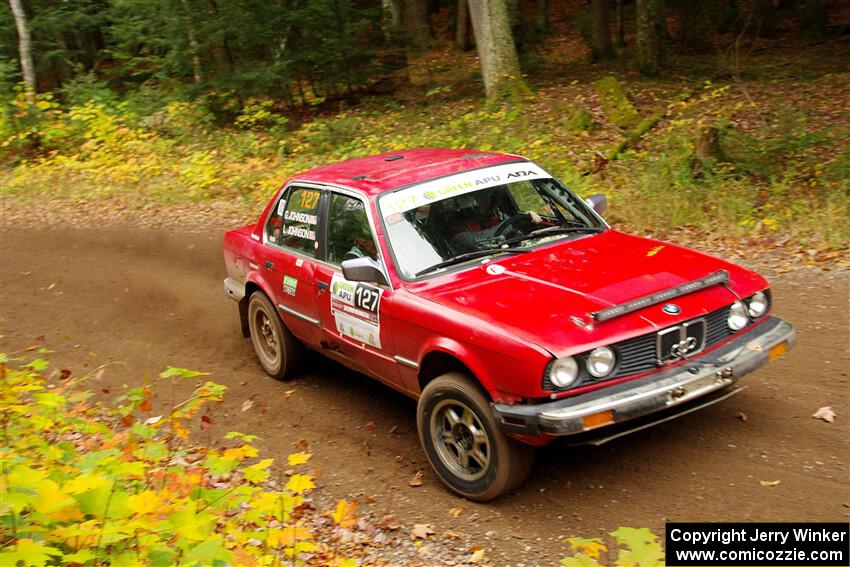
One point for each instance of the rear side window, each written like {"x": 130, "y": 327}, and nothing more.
{"x": 293, "y": 222}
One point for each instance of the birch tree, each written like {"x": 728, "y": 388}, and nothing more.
{"x": 24, "y": 46}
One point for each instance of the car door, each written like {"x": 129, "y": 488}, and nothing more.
{"x": 291, "y": 249}
{"x": 353, "y": 314}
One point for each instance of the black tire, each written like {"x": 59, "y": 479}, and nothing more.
{"x": 455, "y": 422}
{"x": 278, "y": 351}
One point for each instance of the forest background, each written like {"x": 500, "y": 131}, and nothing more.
{"x": 723, "y": 120}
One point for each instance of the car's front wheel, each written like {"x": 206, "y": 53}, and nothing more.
{"x": 463, "y": 442}
{"x": 277, "y": 350}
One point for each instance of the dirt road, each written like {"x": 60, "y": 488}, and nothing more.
{"x": 151, "y": 299}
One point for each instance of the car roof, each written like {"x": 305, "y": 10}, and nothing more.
{"x": 383, "y": 172}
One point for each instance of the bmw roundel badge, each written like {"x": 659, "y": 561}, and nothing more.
{"x": 671, "y": 309}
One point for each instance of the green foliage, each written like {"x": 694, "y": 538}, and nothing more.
{"x": 615, "y": 103}
{"x": 634, "y": 548}
{"x": 83, "y": 483}
{"x": 782, "y": 177}
{"x": 578, "y": 118}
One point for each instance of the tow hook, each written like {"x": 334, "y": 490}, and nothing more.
{"x": 724, "y": 374}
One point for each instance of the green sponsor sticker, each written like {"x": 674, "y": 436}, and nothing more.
{"x": 289, "y": 285}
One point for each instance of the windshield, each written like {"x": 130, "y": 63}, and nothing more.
{"x": 470, "y": 215}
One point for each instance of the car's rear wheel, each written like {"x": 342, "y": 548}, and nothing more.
{"x": 463, "y": 442}
{"x": 277, "y": 350}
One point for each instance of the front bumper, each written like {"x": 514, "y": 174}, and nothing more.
{"x": 662, "y": 393}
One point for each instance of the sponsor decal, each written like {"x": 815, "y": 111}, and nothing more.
{"x": 459, "y": 184}
{"x": 290, "y": 284}
{"x": 355, "y": 307}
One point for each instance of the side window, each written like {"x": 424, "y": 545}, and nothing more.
{"x": 349, "y": 235}
{"x": 293, "y": 221}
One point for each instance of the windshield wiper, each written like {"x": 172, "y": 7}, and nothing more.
{"x": 469, "y": 256}
{"x": 550, "y": 230}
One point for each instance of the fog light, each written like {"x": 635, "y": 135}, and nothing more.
{"x": 737, "y": 316}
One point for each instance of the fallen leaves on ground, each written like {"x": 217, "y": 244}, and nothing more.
{"x": 345, "y": 515}
{"x": 416, "y": 480}
{"x": 769, "y": 483}
{"x": 247, "y": 404}
{"x": 477, "y": 555}
{"x": 389, "y": 522}
{"x": 825, "y": 413}
{"x": 296, "y": 459}
{"x": 421, "y": 531}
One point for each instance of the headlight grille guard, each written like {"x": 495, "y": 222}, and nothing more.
{"x": 720, "y": 277}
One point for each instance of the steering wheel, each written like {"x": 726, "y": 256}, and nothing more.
{"x": 513, "y": 225}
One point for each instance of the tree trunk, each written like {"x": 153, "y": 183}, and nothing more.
{"x": 813, "y": 19}
{"x": 707, "y": 150}
{"x": 24, "y": 46}
{"x": 542, "y": 16}
{"x": 765, "y": 17}
{"x": 391, "y": 18}
{"x": 650, "y": 30}
{"x": 193, "y": 42}
{"x": 462, "y": 26}
{"x": 600, "y": 35}
{"x": 496, "y": 50}
{"x": 417, "y": 22}
{"x": 620, "y": 36}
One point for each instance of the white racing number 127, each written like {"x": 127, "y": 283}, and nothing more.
{"x": 367, "y": 298}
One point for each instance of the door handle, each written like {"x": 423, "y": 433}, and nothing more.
{"x": 269, "y": 265}
{"x": 323, "y": 286}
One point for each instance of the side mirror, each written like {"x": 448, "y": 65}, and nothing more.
{"x": 598, "y": 203}
{"x": 363, "y": 269}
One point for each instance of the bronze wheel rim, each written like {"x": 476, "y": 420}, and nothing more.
{"x": 460, "y": 440}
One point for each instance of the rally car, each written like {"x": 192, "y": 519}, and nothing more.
{"x": 478, "y": 284}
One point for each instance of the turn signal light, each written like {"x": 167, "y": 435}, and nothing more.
{"x": 777, "y": 351}
{"x": 598, "y": 419}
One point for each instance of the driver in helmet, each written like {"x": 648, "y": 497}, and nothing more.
{"x": 356, "y": 227}
{"x": 484, "y": 221}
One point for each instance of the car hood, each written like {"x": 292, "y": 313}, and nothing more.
{"x": 546, "y": 296}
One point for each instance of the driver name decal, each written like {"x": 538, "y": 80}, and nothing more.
{"x": 355, "y": 308}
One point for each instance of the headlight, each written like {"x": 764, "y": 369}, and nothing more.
{"x": 563, "y": 372}
{"x": 737, "y": 316}
{"x": 600, "y": 362}
{"x": 757, "y": 305}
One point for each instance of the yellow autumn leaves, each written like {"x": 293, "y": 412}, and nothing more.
{"x": 84, "y": 483}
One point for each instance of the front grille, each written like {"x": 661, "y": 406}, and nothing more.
{"x": 641, "y": 354}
